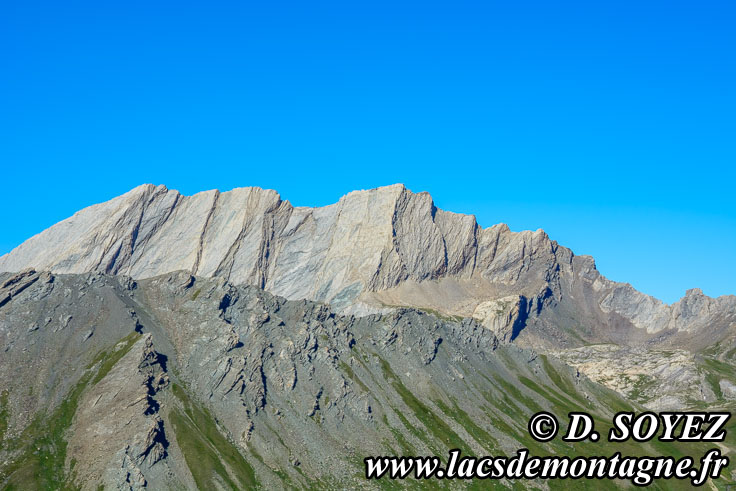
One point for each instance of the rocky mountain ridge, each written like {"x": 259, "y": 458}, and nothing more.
{"x": 231, "y": 340}
{"x": 184, "y": 382}
{"x": 374, "y": 249}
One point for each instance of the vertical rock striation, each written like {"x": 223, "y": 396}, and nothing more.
{"x": 372, "y": 249}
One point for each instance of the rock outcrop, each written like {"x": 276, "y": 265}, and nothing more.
{"x": 142, "y": 344}
{"x": 374, "y": 249}
{"x": 195, "y": 383}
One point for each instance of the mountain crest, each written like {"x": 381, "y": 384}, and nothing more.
{"x": 371, "y": 250}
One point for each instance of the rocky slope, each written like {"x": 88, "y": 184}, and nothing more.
{"x": 383, "y": 249}
{"x": 150, "y": 346}
{"x": 185, "y": 382}
{"x": 372, "y": 249}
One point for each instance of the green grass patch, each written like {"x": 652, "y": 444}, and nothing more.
{"x": 559, "y": 404}
{"x": 463, "y": 419}
{"x": 4, "y": 416}
{"x": 405, "y": 448}
{"x": 42, "y": 445}
{"x": 440, "y": 315}
{"x": 212, "y": 459}
{"x": 564, "y": 383}
{"x": 351, "y": 374}
{"x": 440, "y": 430}
{"x": 108, "y": 360}
{"x": 510, "y": 390}
{"x": 714, "y": 371}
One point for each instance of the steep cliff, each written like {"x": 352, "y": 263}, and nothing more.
{"x": 373, "y": 249}
{"x": 179, "y": 382}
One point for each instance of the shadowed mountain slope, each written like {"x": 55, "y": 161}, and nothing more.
{"x": 184, "y": 382}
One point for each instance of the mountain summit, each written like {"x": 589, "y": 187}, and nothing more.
{"x": 234, "y": 341}
{"x": 372, "y": 250}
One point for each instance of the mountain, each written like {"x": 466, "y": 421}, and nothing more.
{"x": 226, "y": 339}
{"x": 179, "y": 381}
{"x": 384, "y": 248}
{"x": 373, "y": 249}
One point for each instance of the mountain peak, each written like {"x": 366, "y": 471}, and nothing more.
{"x": 693, "y": 292}
{"x": 372, "y": 249}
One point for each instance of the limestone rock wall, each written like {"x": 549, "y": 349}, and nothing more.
{"x": 371, "y": 241}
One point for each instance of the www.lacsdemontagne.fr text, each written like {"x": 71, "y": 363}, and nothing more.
{"x": 543, "y": 426}
{"x": 641, "y": 471}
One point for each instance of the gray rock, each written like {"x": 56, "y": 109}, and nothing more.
{"x": 388, "y": 310}
{"x": 373, "y": 249}
{"x": 183, "y": 371}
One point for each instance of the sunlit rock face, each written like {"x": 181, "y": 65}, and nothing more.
{"x": 229, "y": 340}
{"x": 372, "y": 250}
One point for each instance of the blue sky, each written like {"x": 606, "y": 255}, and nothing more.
{"x": 612, "y": 125}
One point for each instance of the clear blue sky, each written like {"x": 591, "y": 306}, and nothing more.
{"x": 612, "y": 125}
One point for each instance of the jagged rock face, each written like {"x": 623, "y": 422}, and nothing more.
{"x": 501, "y": 316}
{"x": 118, "y": 434}
{"x": 378, "y": 250}
{"x": 372, "y": 249}
{"x": 194, "y": 383}
{"x": 185, "y": 382}
{"x": 663, "y": 380}
{"x": 370, "y": 240}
